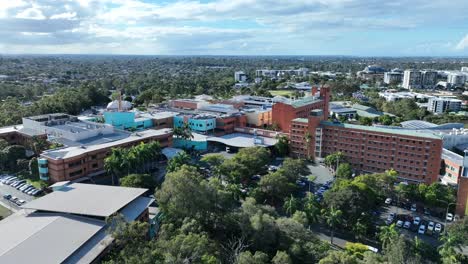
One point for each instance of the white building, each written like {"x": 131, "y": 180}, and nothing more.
{"x": 393, "y": 77}
{"x": 464, "y": 69}
{"x": 412, "y": 79}
{"x": 456, "y": 78}
{"x": 240, "y": 76}
{"x": 429, "y": 78}
{"x": 442, "y": 105}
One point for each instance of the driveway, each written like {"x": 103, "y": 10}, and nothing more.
{"x": 322, "y": 173}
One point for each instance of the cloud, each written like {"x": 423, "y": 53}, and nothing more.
{"x": 224, "y": 26}
{"x": 463, "y": 44}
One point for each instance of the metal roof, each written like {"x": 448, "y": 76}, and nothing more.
{"x": 302, "y": 120}
{"x": 397, "y": 131}
{"x": 241, "y": 140}
{"x": 43, "y": 237}
{"x": 86, "y": 199}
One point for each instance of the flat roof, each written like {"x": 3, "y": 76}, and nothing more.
{"x": 447, "y": 154}
{"x": 302, "y": 120}
{"x": 43, "y": 237}
{"x": 387, "y": 130}
{"x": 86, "y": 199}
{"x": 241, "y": 140}
{"x": 304, "y": 101}
{"x": 69, "y": 152}
{"x": 9, "y": 129}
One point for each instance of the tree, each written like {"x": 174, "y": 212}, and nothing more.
{"x": 38, "y": 144}
{"x": 344, "y": 171}
{"x": 281, "y": 257}
{"x": 387, "y": 234}
{"x": 338, "y": 257}
{"x": 291, "y": 204}
{"x": 138, "y": 181}
{"x": 333, "y": 218}
{"x": 177, "y": 161}
{"x": 183, "y": 132}
{"x": 311, "y": 207}
{"x": 307, "y": 139}
{"x": 247, "y": 258}
{"x": 273, "y": 188}
{"x": 185, "y": 193}
{"x": 293, "y": 169}
{"x": 282, "y": 146}
{"x": 334, "y": 159}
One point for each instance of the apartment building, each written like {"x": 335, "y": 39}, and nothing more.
{"x": 412, "y": 79}
{"x": 439, "y": 105}
{"x": 456, "y": 78}
{"x": 429, "y": 79}
{"x": 240, "y": 76}
{"x": 393, "y": 77}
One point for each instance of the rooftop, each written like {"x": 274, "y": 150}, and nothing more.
{"x": 304, "y": 101}
{"x": 241, "y": 140}
{"x": 447, "y": 154}
{"x": 43, "y": 237}
{"x": 302, "y": 120}
{"x": 395, "y": 130}
{"x": 86, "y": 199}
{"x": 107, "y": 141}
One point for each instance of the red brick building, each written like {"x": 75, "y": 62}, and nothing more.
{"x": 284, "y": 113}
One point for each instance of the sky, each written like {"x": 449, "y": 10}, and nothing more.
{"x": 235, "y": 27}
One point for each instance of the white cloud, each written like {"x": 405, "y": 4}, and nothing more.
{"x": 463, "y": 44}
{"x": 221, "y": 26}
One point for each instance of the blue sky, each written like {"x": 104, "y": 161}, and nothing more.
{"x": 236, "y": 27}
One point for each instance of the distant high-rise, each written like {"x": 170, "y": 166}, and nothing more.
{"x": 240, "y": 76}
{"x": 429, "y": 79}
{"x": 464, "y": 69}
{"x": 412, "y": 79}
{"x": 393, "y": 77}
{"x": 456, "y": 78}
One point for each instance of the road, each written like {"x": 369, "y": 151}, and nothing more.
{"x": 323, "y": 173}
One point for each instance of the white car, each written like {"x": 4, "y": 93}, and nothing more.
{"x": 430, "y": 226}
{"x": 449, "y": 217}
{"x": 399, "y": 223}
{"x": 413, "y": 207}
{"x": 422, "y": 229}
{"x": 417, "y": 220}
{"x": 438, "y": 228}
{"x": 407, "y": 225}
{"x": 388, "y": 201}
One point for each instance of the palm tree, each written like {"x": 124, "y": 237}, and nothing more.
{"x": 333, "y": 217}
{"x": 387, "y": 234}
{"x": 308, "y": 138}
{"x": 290, "y": 205}
{"x": 311, "y": 208}
{"x": 448, "y": 250}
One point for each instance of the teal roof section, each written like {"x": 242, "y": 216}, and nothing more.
{"x": 387, "y": 130}
{"x": 302, "y": 120}
{"x": 304, "y": 101}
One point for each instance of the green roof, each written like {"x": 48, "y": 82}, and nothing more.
{"x": 304, "y": 101}
{"x": 302, "y": 120}
{"x": 395, "y": 130}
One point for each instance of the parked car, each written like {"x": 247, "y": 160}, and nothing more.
{"x": 36, "y": 192}
{"x": 7, "y": 196}
{"x": 449, "y": 217}
{"x": 28, "y": 189}
{"x": 30, "y": 192}
{"x": 21, "y": 185}
{"x": 422, "y": 229}
{"x": 426, "y": 211}
{"x": 413, "y": 208}
{"x": 407, "y": 224}
{"x": 20, "y": 202}
{"x": 438, "y": 228}
{"x": 13, "y": 199}
{"x": 388, "y": 201}
{"x": 24, "y": 187}
{"x": 417, "y": 220}
{"x": 430, "y": 226}
{"x": 399, "y": 223}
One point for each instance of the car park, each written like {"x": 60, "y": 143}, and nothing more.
{"x": 407, "y": 225}
{"x": 449, "y": 217}
{"x": 399, "y": 223}
{"x": 422, "y": 229}
{"x": 388, "y": 201}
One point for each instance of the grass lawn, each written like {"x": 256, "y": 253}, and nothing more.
{"x": 281, "y": 92}
{"x": 4, "y": 212}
